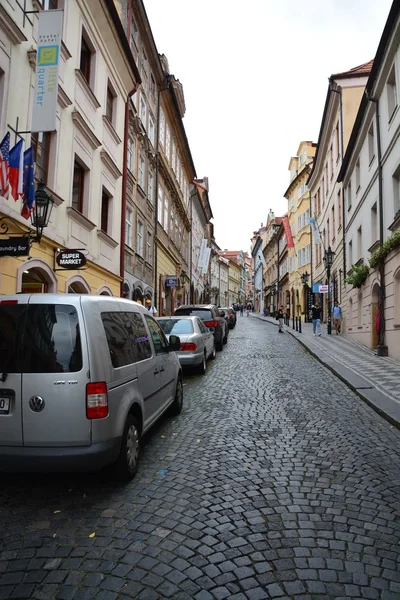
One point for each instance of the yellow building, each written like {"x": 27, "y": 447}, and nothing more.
{"x": 299, "y": 257}
{"x": 234, "y": 282}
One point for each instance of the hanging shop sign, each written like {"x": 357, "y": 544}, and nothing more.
{"x": 15, "y": 246}
{"x": 47, "y": 61}
{"x": 71, "y": 259}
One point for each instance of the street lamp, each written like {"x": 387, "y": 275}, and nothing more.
{"x": 304, "y": 278}
{"x": 328, "y": 261}
{"x": 40, "y": 216}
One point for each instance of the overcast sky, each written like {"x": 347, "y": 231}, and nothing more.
{"x": 255, "y": 77}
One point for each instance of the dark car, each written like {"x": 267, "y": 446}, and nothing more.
{"x": 209, "y": 314}
{"x": 230, "y": 315}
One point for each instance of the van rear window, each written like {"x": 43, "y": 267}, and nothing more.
{"x": 39, "y": 338}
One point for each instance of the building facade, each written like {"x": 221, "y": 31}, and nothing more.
{"x": 371, "y": 178}
{"x": 343, "y": 98}
{"x": 270, "y": 252}
{"x": 81, "y": 161}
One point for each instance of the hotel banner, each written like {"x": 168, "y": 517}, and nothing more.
{"x": 315, "y": 230}
{"x": 46, "y": 79}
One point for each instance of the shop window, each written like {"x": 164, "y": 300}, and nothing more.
{"x": 33, "y": 282}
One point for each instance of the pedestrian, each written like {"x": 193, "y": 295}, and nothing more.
{"x": 152, "y": 309}
{"x": 241, "y": 310}
{"x": 316, "y": 319}
{"x": 337, "y": 317}
{"x": 281, "y": 318}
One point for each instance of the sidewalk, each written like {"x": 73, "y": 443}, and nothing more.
{"x": 375, "y": 379}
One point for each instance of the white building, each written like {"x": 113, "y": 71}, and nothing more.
{"x": 81, "y": 162}
{"x": 371, "y": 180}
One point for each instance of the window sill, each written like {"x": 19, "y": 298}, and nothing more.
{"x": 359, "y": 327}
{"x": 396, "y": 222}
{"x": 104, "y": 237}
{"x": 359, "y": 262}
{"x": 78, "y": 217}
{"x": 110, "y": 128}
{"x": 87, "y": 89}
{"x": 374, "y": 247}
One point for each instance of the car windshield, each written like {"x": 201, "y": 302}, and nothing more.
{"x": 203, "y": 313}
{"x": 176, "y": 326}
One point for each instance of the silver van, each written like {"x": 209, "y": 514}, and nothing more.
{"x": 81, "y": 379}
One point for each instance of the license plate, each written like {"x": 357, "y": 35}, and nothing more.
{"x": 4, "y": 405}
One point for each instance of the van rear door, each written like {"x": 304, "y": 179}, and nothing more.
{"x": 54, "y": 375}
{"x": 12, "y": 316}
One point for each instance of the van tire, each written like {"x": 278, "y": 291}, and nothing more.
{"x": 127, "y": 462}
{"x": 177, "y": 405}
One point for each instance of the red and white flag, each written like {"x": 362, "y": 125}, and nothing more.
{"x": 4, "y": 167}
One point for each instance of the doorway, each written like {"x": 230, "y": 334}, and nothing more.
{"x": 374, "y": 316}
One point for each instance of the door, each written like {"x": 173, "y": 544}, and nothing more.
{"x": 166, "y": 364}
{"x": 12, "y": 317}
{"x": 374, "y": 328}
{"x": 54, "y": 376}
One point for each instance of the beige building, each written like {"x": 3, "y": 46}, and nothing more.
{"x": 343, "y": 98}
{"x": 299, "y": 212}
{"x": 270, "y": 251}
{"x": 81, "y": 161}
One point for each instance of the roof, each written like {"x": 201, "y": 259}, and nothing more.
{"x": 363, "y": 69}
{"x": 391, "y": 22}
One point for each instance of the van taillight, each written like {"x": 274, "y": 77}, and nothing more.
{"x": 96, "y": 400}
{"x": 211, "y": 324}
{"x": 8, "y": 301}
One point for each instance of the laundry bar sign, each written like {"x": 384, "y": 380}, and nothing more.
{"x": 15, "y": 246}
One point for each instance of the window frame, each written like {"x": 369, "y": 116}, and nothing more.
{"x": 81, "y": 192}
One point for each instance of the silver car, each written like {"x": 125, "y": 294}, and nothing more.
{"x": 197, "y": 341}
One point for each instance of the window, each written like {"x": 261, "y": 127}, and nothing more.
{"x": 326, "y": 179}
{"x": 78, "y": 187}
{"x": 41, "y": 154}
{"x": 127, "y": 338}
{"x": 110, "y": 104}
{"x": 141, "y": 170}
{"x": 396, "y": 191}
{"x": 145, "y": 65}
{"x": 157, "y": 335}
{"x": 339, "y": 211}
{"x": 374, "y": 223}
{"x": 172, "y": 222}
{"x": 318, "y": 201}
{"x": 139, "y": 238}
{"x": 328, "y": 229}
{"x": 162, "y": 129}
{"x": 166, "y": 213}
{"x": 151, "y": 130}
{"x": 50, "y": 4}
{"x": 85, "y": 58}
{"x": 160, "y": 205}
{"x": 357, "y": 175}
{"x": 150, "y": 186}
{"x": 143, "y": 111}
{"x": 105, "y": 211}
{"x": 337, "y": 141}
{"x": 167, "y": 142}
{"x": 173, "y": 158}
{"x": 391, "y": 88}
{"x": 149, "y": 248}
{"x": 333, "y": 224}
{"x": 152, "y": 86}
{"x": 331, "y": 160}
{"x": 131, "y": 154}
{"x": 129, "y": 227}
{"x": 134, "y": 34}
{"x": 349, "y": 199}
{"x": 350, "y": 246}
{"x": 371, "y": 144}
{"x": 359, "y": 243}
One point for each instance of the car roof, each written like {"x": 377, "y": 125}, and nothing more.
{"x": 195, "y": 306}
{"x": 180, "y": 317}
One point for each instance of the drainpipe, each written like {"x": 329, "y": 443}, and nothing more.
{"x": 382, "y": 349}
{"x": 125, "y": 190}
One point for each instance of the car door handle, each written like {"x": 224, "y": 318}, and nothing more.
{"x": 156, "y": 372}
{"x": 162, "y": 370}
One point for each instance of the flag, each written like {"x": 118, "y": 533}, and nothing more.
{"x": 199, "y": 183}
{"x": 288, "y": 232}
{"x": 28, "y": 194}
{"x": 4, "y": 169}
{"x": 16, "y": 168}
{"x": 315, "y": 230}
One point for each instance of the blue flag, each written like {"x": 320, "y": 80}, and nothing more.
{"x": 28, "y": 194}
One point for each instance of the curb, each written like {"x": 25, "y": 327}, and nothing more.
{"x": 378, "y": 409}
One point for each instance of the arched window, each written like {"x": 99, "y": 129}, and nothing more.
{"x": 36, "y": 277}
{"x": 126, "y": 291}
{"x": 77, "y": 285}
{"x": 104, "y": 291}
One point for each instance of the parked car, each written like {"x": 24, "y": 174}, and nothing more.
{"x": 208, "y": 313}
{"x": 83, "y": 378}
{"x": 197, "y": 341}
{"x": 230, "y": 315}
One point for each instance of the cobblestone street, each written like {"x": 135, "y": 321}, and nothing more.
{"x": 276, "y": 481}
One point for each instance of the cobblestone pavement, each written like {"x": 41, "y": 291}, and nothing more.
{"x": 276, "y": 481}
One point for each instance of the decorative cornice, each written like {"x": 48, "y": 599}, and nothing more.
{"x": 78, "y": 217}
{"x": 110, "y": 164}
{"x": 87, "y": 89}
{"x": 14, "y": 32}
{"x": 62, "y": 98}
{"x": 104, "y": 237}
{"x": 117, "y": 140}
{"x": 85, "y": 130}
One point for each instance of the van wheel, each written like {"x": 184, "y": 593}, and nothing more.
{"x": 203, "y": 365}
{"x": 128, "y": 459}
{"x": 177, "y": 405}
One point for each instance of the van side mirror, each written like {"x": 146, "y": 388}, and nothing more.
{"x": 174, "y": 343}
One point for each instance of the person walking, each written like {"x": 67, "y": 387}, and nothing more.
{"x": 337, "y": 317}
{"x": 241, "y": 310}
{"x": 281, "y": 318}
{"x": 152, "y": 309}
{"x": 316, "y": 319}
